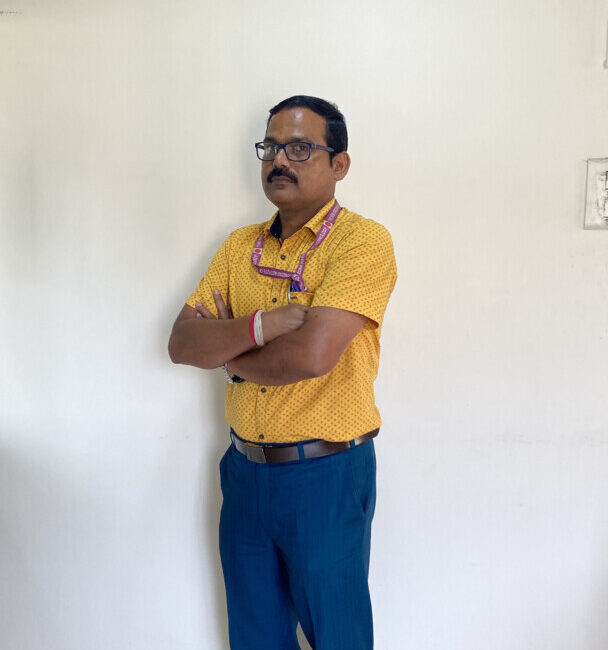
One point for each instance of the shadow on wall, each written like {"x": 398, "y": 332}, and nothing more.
{"x": 29, "y": 539}
{"x": 211, "y": 500}
{"x": 302, "y": 639}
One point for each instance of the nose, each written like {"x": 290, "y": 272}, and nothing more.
{"x": 280, "y": 159}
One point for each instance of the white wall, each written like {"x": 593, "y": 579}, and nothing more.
{"x": 126, "y": 156}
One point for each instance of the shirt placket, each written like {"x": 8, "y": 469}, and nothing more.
{"x": 285, "y": 256}
{"x": 278, "y": 290}
{"x": 276, "y": 296}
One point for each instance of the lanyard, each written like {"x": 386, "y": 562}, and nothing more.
{"x": 296, "y": 276}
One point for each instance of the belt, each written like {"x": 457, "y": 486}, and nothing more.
{"x": 285, "y": 453}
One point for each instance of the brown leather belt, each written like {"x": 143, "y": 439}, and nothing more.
{"x": 285, "y": 453}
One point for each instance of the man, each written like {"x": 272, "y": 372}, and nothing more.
{"x": 292, "y": 309}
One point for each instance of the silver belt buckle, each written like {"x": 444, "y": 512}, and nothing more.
{"x": 256, "y": 454}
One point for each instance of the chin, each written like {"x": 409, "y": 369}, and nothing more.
{"x": 279, "y": 196}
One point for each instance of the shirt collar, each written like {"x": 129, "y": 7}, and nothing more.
{"x": 273, "y": 227}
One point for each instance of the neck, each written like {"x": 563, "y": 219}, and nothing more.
{"x": 293, "y": 220}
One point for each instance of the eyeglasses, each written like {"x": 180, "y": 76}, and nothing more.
{"x": 295, "y": 151}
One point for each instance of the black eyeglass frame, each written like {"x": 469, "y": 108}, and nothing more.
{"x": 278, "y": 147}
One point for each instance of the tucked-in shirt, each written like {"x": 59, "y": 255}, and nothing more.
{"x": 354, "y": 269}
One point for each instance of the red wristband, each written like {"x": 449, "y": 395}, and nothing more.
{"x": 251, "y": 332}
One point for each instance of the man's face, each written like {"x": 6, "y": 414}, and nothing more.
{"x": 296, "y": 186}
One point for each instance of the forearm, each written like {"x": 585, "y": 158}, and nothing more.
{"x": 285, "y": 360}
{"x": 209, "y": 343}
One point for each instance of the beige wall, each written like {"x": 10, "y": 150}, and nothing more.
{"x": 126, "y": 156}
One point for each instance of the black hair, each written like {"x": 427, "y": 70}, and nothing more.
{"x": 336, "y": 135}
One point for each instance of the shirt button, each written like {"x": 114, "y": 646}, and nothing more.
{"x": 261, "y": 436}
{"x": 263, "y": 390}
{"x": 283, "y": 257}
{"x": 274, "y": 300}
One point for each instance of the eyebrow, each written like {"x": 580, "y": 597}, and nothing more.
{"x": 271, "y": 140}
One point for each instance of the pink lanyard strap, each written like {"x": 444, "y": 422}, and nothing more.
{"x": 296, "y": 276}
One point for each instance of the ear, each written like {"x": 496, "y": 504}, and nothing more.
{"x": 340, "y": 165}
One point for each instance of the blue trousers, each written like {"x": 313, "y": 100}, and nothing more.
{"x": 295, "y": 545}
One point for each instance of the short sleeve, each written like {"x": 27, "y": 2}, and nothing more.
{"x": 361, "y": 273}
{"x": 216, "y": 277}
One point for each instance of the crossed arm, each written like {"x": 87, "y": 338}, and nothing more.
{"x": 303, "y": 342}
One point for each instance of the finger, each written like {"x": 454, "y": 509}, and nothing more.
{"x": 203, "y": 311}
{"x": 222, "y": 310}
{"x": 229, "y": 312}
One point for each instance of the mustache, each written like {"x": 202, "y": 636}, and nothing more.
{"x": 282, "y": 172}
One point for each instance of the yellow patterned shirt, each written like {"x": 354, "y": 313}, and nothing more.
{"x": 353, "y": 269}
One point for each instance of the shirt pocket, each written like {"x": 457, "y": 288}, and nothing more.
{"x": 302, "y": 298}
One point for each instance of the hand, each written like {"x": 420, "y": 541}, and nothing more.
{"x": 282, "y": 320}
{"x": 223, "y": 311}
{"x": 274, "y": 323}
